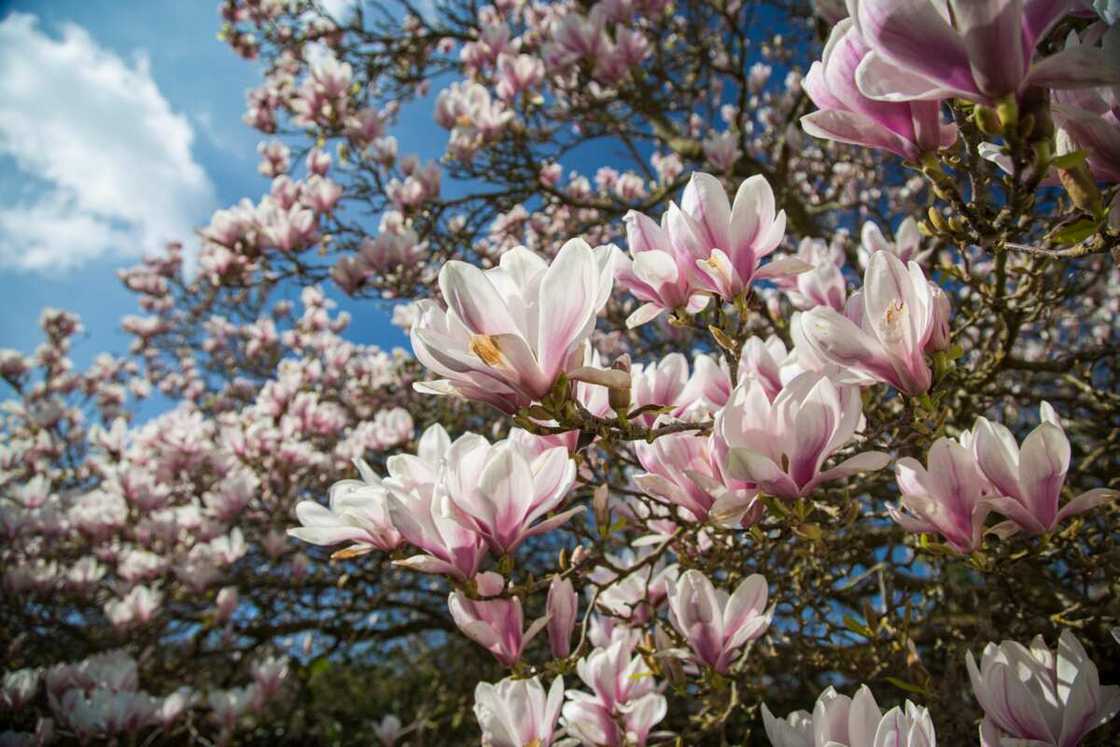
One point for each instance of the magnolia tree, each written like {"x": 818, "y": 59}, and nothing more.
{"x": 763, "y": 389}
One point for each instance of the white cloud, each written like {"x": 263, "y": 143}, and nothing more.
{"x": 116, "y": 160}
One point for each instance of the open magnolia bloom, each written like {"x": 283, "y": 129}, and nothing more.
{"x": 679, "y": 470}
{"x": 624, "y": 704}
{"x": 515, "y": 713}
{"x": 907, "y": 245}
{"x": 509, "y": 332}
{"x": 951, "y": 498}
{"x": 494, "y": 623}
{"x": 1038, "y": 697}
{"x": 885, "y": 329}
{"x": 406, "y": 505}
{"x": 715, "y": 624}
{"x": 980, "y": 50}
{"x": 1028, "y": 482}
{"x": 781, "y": 445}
{"x": 500, "y": 490}
{"x": 417, "y": 511}
{"x": 705, "y": 244}
{"x": 840, "y": 721}
{"x": 358, "y": 513}
{"x": 845, "y": 114}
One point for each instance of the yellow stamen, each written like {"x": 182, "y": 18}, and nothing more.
{"x": 486, "y": 348}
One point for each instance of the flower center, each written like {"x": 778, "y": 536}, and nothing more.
{"x": 486, "y": 348}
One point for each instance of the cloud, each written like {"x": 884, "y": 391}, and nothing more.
{"x": 110, "y": 160}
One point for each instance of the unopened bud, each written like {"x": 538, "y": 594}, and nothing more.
{"x": 937, "y": 220}
{"x": 987, "y": 120}
{"x": 1081, "y": 189}
{"x": 619, "y": 397}
{"x": 579, "y": 555}
{"x": 601, "y": 508}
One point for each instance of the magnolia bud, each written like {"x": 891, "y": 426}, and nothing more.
{"x": 602, "y": 510}
{"x": 563, "y": 605}
{"x": 226, "y": 603}
{"x": 619, "y": 396}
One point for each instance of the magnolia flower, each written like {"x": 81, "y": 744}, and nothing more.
{"x": 495, "y": 624}
{"x": 1053, "y": 698}
{"x": 660, "y": 383}
{"x": 907, "y": 245}
{"x": 781, "y": 446}
{"x": 840, "y": 721}
{"x": 1097, "y": 134}
{"x": 824, "y": 284}
{"x": 716, "y": 625}
{"x": 905, "y": 128}
{"x": 885, "y": 328}
{"x": 705, "y": 244}
{"x": 1029, "y": 482}
{"x": 358, "y": 513}
{"x": 623, "y": 690}
{"x": 420, "y": 516}
{"x": 660, "y": 272}
{"x": 510, "y": 331}
{"x": 950, "y": 498}
{"x": 980, "y": 50}
{"x": 679, "y": 470}
{"x": 499, "y": 491}
{"x": 635, "y": 594}
{"x": 767, "y": 362}
{"x": 562, "y": 607}
{"x": 139, "y": 606}
{"x": 516, "y": 713}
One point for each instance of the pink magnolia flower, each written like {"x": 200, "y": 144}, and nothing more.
{"x": 885, "y": 329}
{"x": 824, "y": 284}
{"x": 499, "y": 491}
{"x": 1028, "y": 482}
{"x": 722, "y": 150}
{"x": 636, "y": 593}
{"x": 950, "y": 498}
{"x": 515, "y": 713}
{"x": 1054, "y": 698}
{"x": 767, "y": 362}
{"x": 658, "y": 383}
{"x": 659, "y": 272}
{"x": 781, "y": 445}
{"x": 494, "y": 623}
{"x": 623, "y": 691}
{"x": 1099, "y": 135}
{"x": 679, "y": 471}
{"x": 715, "y": 624}
{"x": 705, "y": 245}
{"x": 1091, "y": 116}
{"x": 562, "y": 607}
{"x": 980, "y": 50}
{"x": 905, "y": 128}
{"x": 907, "y": 245}
{"x": 510, "y": 331}
{"x": 840, "y": 721}
{"x": 139, "y": 606}
{"x": 358, "y": 513}
{"x": 518, "y": 73}
{"x": 419, "y": 513}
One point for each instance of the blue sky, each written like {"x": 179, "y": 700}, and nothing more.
{"x": 120, "y": 127}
